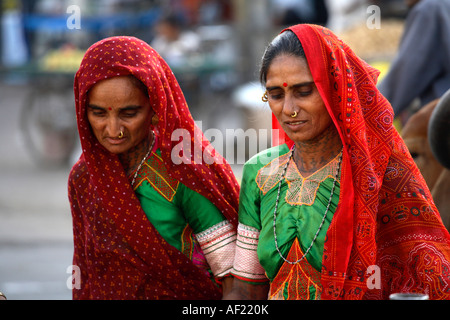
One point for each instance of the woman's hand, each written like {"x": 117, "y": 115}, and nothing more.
{"x": 240, "y": 290}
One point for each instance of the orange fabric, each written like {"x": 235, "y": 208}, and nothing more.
{"x": 386, "y": 216}
{"x": 120, "y": 254}
{"x": 297, "y": 279}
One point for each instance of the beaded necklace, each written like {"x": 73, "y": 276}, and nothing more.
{"x": 324, "y": 216}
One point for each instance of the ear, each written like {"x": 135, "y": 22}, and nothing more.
{"x": 155, "y": 120}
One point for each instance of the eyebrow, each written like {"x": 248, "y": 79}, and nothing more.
{"x": 132, "y": 107}
{"x": 298, "y": 85}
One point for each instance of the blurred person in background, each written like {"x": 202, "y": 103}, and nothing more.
{"x": 14, "y": 48}
{"x": 173, "y": 41}
{"x": 421, "y": 68}
{"x": 201, "y": 12}
{"x": 290, "y": 12}
{"x": 337, "y": 209}
{"x": 146, "y": 226}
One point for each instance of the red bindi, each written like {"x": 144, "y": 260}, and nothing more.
{"x": 285, "y": 84}
{"x": 109, "y": 108}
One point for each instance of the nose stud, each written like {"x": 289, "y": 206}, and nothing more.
{"x": 120, "y": 134}
{"x": 294, "y": 114}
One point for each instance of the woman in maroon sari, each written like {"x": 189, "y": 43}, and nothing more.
{"x": 148, "y": 223}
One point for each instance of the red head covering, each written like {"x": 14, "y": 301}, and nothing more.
{"x": 386, "y": 217}
{"x": 129, "y": 248}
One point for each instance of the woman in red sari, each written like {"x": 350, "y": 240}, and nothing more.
{"x": 154, "y": 206}
{"x": 337, "y": 209}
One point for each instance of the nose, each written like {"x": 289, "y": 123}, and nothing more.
{"x": 113, "y": 127}
{"x": 289, "y": 106}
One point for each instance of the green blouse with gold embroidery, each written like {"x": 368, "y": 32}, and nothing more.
{"x": 301, "y": 207}
{"x": 176, "y": 211}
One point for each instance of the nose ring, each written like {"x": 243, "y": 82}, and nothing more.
{"x": 120, "y": 134}
{"x": 294, "y": 114}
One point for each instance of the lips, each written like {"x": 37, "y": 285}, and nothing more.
{"x": 296, "y": 124}
{"x": 115, "y": 141}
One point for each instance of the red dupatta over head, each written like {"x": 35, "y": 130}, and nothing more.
{"x": 120, "y": 254}
{"x": 386, "y": 235}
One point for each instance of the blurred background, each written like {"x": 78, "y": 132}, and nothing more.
{"x": 214, "y": 48}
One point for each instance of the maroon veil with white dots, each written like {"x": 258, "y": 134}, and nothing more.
{"x": 118, "y": 251}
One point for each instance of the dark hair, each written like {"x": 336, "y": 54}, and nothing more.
{"x": 134, "y": 81}
{"x": 173, "y": 20}
{"x": 285, "y": 43}
{"x": 139, "y": 84}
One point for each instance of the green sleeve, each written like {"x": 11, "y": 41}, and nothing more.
{"x": 250, "y": 194}
{"x": 200, "y": 213}
{"x": 249, "y": 198}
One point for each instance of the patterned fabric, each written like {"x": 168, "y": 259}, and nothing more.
{"x": 257, "y": 259}
{"x": 218, "y": 244}
{"x": 119, "y": 253}
{"x": 246, "y": 263}
{"x": 301, "y": 190}
{"x": 183, "y": 217}
{"x": 154, "y": 172}
{"x": 386, "y": 216}
{"x": 298, "y": 281}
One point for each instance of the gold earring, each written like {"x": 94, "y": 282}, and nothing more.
{"x": 294, "y": 114}
{"x": 155, "y": 119}
{"x": 265, "y": 97}
{"x": 120, "y": 134}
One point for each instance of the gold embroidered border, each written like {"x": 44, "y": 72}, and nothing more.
{"x": 218, "y": 244}
{"x": 246, "y": 263}
{"x": 155, "y": 173}
{"x": 301, "y": 191}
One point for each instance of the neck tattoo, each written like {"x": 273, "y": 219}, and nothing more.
{"x": 143, "y": 159}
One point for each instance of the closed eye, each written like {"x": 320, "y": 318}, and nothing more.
{"x": 96, "y": 111}
{"x": 304, "y": 93}
{"x": 304, "y": 89}
{"x": 275, "y": 96}
{"x": 129, "y": 114}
